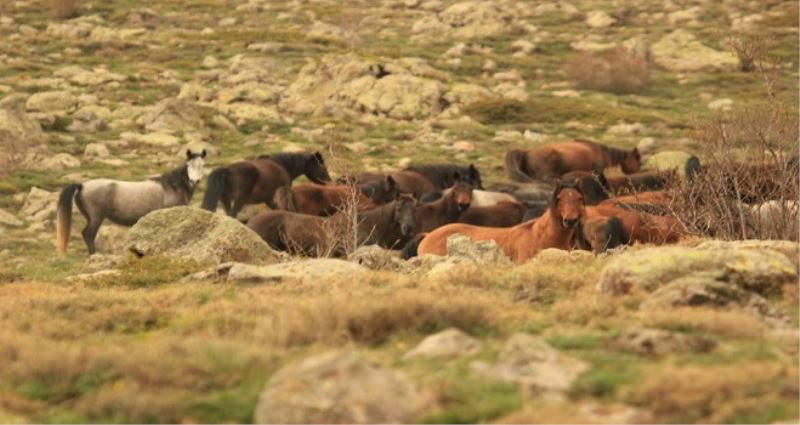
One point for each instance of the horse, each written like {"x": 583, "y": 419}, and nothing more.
{"x": 446, "y": 209}
{"x": 555, "y": 229}
{"x": 502, "y": 214}
{"x": 125, "y": 202}
{"x": 480, "y": 198}
{"x": 639, "y": 182}
{"x": 386, "y": 226}
{"x": 326, "y": 200}
{"x": 422, "y": 179}
{"x": 640, "y": 227}
{"x": 255, "y": 181}
{"x": 526, "y": 165}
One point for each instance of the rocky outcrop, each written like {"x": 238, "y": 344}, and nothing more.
{"x": 466, "y": 250}
{"x": 39, "y": 205}
{"x": 469, "y": 20}
{"x": 659, "y": 342}
{"x": 17, "y": 124}
{"x": 681, "y": 51}
{"x": 199, "y": 235}
{"x": 448, "y": 343}
{"x": 338, "y": 387}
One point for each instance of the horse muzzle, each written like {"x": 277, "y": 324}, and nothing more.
{"x": 463, "y": 206}
{"x": 407, "y": 229}
{"x": 569, "y": 223}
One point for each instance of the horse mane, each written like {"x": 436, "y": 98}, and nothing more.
{"x": 615, "y": 155}
{"x": 176, "y": 180}
{"x": 291, "y": 162}
{"x": 439, "y": 174}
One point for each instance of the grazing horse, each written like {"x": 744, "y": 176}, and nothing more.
{"x": 422, "y": 179}
{"x": 125, "y": 202}
{"x": 553, "y": 160}
{"x": 386, "y": 226}
{"x": 253, "y": 182}
{"x": 555, "y": 229}
{"x": 326, "y": 200}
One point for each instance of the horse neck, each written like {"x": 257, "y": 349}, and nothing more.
{"x": 177, "y": 180}
{"x": 294, "y": 165}
{"x": 550, "y": 233}
{"x": 377, "y": 221}
{"x": 613, "y": 156}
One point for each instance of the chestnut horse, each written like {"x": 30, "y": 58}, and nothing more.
{"x": 553, "y": 160}
{"x": 555, "y": 229}
{"x": 640, "y": 227}
{"x": 422, "y": 179}
{"x": 326, "y": 200}
{"x": 255, "y": 181}
{"x": 387, "y": 226}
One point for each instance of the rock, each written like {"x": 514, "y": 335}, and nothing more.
{"x": 789, "y": 249}
{"x": 680, "y": 51}
{"x": 667, "y": 160}
{"x": 338, "y": 387}
{"x": 8, "y": 219}
{"x": 469, "y": 20}
{"x": 58, "y": 102}
{"x": 58, "y": 162}
{"x": 566, "y": 93}
{"x": 39, "y": 205}
{"x": 90, "y": 118}
{"x": 324, "y": 31}
{"x": 592, "y": 43}
{"x": 721, "y": 105}
{"x": 267, "y": 47}
{"x": 112, "y": 239}
{"x": 463, "y": 248}
{"x": 99, "y": 262}
{"x": 17, "y": 124}
{"x": 376, "y": 258}
{"x": 686, "y": 16}
{"x": 659, "y": 342}
{"x": 599, "y": 19}
{"x": 316, "y": 269}
{"x": 534, "y": 365}
{"x": 210, "y": 62}
{"x": 625, "y": 129}
{"x": 199, "y": 235}
{"x": 646, "y": 145}
{"x": 153, "y": 139}
{"x": 96, "y": 150}
{"x": 175, "y": 116}
{"x": 760, "y": 271}
{"x": 227, "y": 22}
{"x": 448, "y": 343}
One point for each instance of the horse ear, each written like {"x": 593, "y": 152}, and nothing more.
{"x": 391, "y": 182}
{"x": 189, "y": 154}
{"x": 318, "y": 157}
{"x": 456, "y": 176}
{"x": 636, "y": 153}
{"x": 203, "y": 154}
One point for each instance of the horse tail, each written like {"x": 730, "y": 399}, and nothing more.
{"x": 64, "y": 216}
{"x": 217, "y": 185}
{"x": 284, "y": 199}
{"x": 410, "y": 250}
{"x": 515, "y": 160}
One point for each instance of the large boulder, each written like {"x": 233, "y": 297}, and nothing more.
{"x": 338, "y": 387}
{"x": 758, "y": 270}
{"x": 668, "y": 160}
{"x": 469, "y": 20}
{"x": 467, "y": 250}
{"x": 199, "y": 235}
{"x": 681, "y": 51}
{"x": 534, "y": 365}
{"x": 57, "y": 102}
{"x": 39, "y": 205}
{"x": 17, "y": 124}
{"x": 8, "y": 219}
{"x": 788, "y": 248}
{"x": 176, "y": 116}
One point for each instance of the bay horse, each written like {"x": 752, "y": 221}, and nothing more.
{"x": 425, "y": 178}
{"x": 255, "y": 181}
{"x": 445, "y": 210}
{"x": 555, "y": 229}
{"x": 125, "y": 202}
{"x": 556, "y": 159}
{"x": 386, "y": 226}
{"x": 640, "y": 227}
{"x": 501, "y": 214}
{"x": 326, "y": 200}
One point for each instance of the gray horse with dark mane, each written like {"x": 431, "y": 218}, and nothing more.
{"x": 125, "y": 202}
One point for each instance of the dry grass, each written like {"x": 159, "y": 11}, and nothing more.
{"x": 65, "y": 9}
{"x": 730, "y": 324}
{"x": 616, "y": 71}
{"x": 13, "y": 153}
{"x": 755, "y": 392}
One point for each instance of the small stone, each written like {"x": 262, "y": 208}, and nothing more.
{"x": 721, "y": 105}
{"x": 227, "y": 22}
{"x": 210, "y": 62}
{"x": 96, "y": 150}
{"x": 599, "y": 19}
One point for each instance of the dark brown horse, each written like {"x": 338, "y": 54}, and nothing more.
{"x": 554, "y": 160}
{"x": 255, "y": 181}
{"x": 555, "y": 229}
{"x": 326, "y": 200}
{"x": 422, "y": 179}
{"x": 502, "y": 214}
{"x": 445, "y": 210}
{"x": 387, "y": 226}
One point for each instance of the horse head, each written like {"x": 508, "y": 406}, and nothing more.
{"x": 404, "y": 213}
{"x": 632, "y": 162}
{"x": 380, "y": 191}
{"x": 194, "y": 166}
{"x": 474, "y": 177}
{"x": 315, "y": 169}
{"x": 461, "y": 194}
{"x": 566, "y": 205}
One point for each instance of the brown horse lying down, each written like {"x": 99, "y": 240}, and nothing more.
{"x": 254, "y": 182}
{"x": 639, "y": 182}
{"x": 556, "y": 159}
{"x": 422, "y": 179}
{"x": 753, "y": 182}
{"x": 502, "y": 214}
{"x": 445, "y": 210}
{"x": 554, "y": 229}
{"x": 387, "y": 226}
{"x": 639, "y": 227}
{"x": 326, "y": 200}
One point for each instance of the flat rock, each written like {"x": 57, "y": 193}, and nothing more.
{"x": 448, "y": 343}
{"x": 659, "y": 342}
{"x": 681, "y": 51}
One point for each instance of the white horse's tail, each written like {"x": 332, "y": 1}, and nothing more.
{"x": 64, "y": 216}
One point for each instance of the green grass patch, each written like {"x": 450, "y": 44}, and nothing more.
{"x": 552, "y": 110}
{"x": 147, "y": 271}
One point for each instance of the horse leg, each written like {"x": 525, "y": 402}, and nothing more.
{"x": 90, "y": 233}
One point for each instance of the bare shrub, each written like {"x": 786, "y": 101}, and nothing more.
{"x": 750, "y": 49}
{"x": 64, "y": 9}
{"x": 616, "y": 71}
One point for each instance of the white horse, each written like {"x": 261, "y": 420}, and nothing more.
{"x": 125, "y": 202}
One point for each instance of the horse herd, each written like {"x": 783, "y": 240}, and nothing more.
{"x": 558, "y": 196}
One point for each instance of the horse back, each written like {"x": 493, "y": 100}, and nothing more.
{"x": 123, "y": 202}
{"x": 413, "y": 182}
